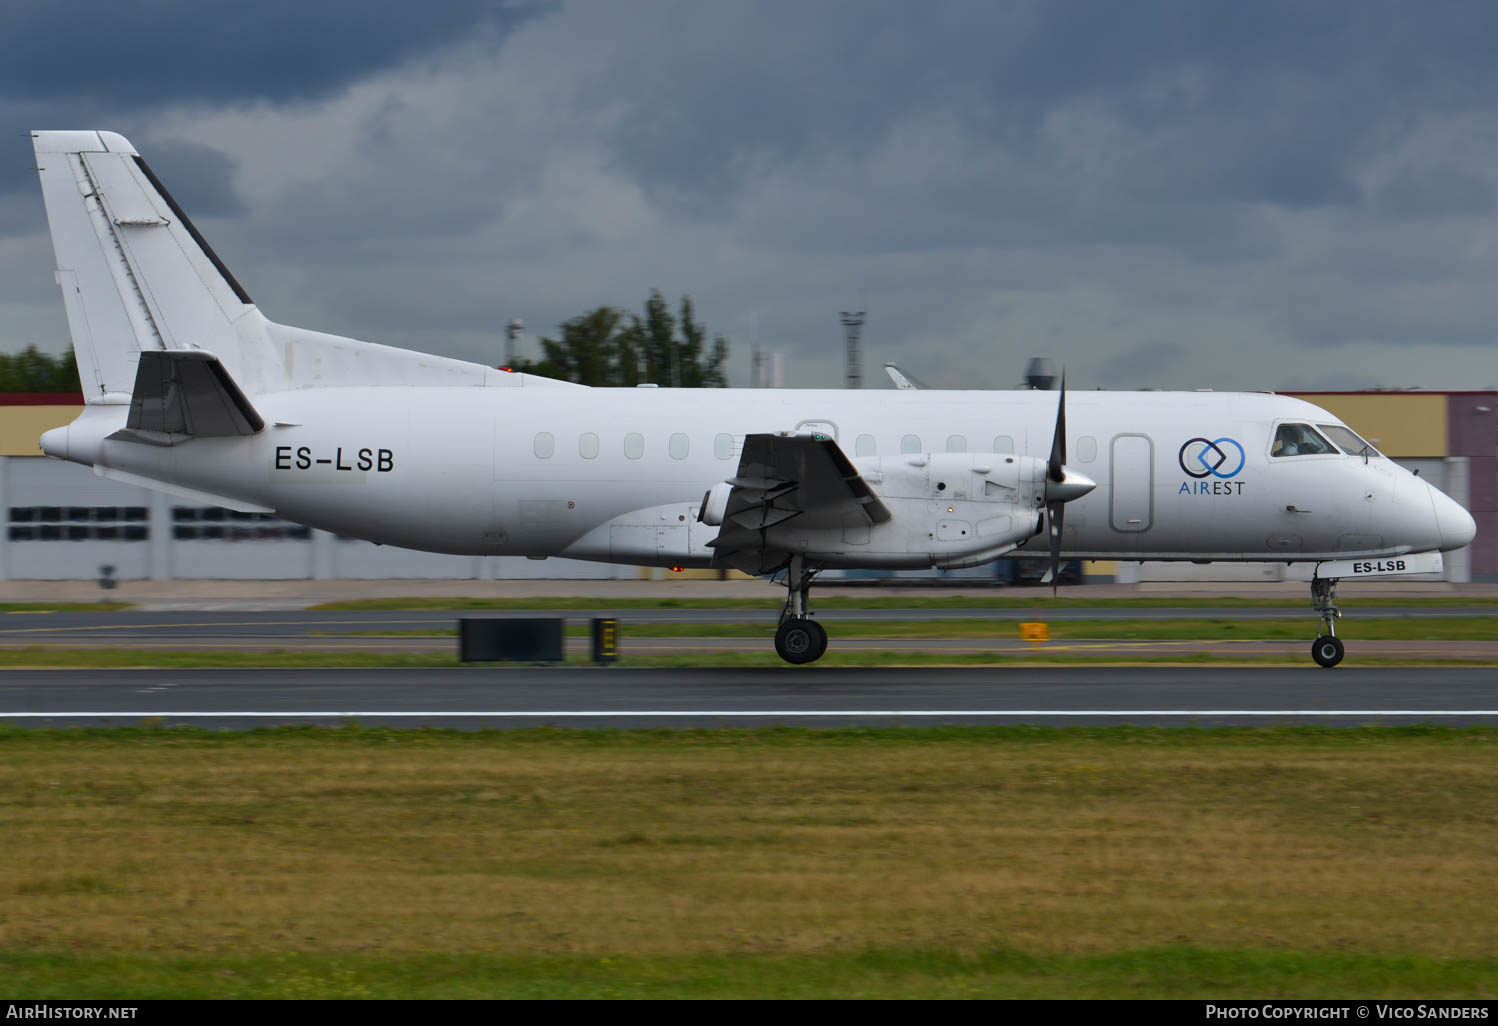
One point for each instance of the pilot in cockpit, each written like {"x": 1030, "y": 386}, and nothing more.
{"x": 1299, "y": 440}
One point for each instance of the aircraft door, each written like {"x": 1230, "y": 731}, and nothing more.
{"x": 1131, "y": 507}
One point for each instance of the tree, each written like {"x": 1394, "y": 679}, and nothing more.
{"x": 587, "y": 352}
{"x": 608, "y": 347}
{"x": 31, "y": 370}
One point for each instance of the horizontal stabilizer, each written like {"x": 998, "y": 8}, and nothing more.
{"x": 184, "y": 395}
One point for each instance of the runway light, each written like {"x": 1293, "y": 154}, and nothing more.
{"x": 677, "y": 569}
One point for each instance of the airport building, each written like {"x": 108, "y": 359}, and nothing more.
{"x": 66, "y": 523}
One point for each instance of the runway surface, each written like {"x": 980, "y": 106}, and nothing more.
{"x": 619, "y": 697}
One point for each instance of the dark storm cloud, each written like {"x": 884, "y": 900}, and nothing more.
{"x": 1438, "y": 192}
{"x": 189, "y": 51}
{"x": 1264, "y": 102}
{"x": 201, "y": 178}
{"x": 1157, "y": 192}
{"x": 110, "y": 64}
{"x": 1141, "y": 365}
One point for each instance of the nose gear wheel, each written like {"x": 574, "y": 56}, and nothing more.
{"x": 1327, "y": 649}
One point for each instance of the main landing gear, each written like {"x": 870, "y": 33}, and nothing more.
{"x": 1327, "y": 649}
{"x": 799, "y": 639}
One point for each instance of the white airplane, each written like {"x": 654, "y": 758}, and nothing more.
{"x": 191, "y": 390}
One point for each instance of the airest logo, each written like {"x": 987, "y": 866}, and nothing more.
{"x": 1219, "y": 457}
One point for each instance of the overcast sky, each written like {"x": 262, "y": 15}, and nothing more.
{"x": 1193, "y": 194}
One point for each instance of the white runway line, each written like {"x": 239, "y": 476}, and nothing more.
{"x": 678, "y": 713}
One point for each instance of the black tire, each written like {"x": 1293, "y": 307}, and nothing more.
{"x": 1327, "y": 651}
{"x": 800, "y": 641}
{"x": 821, "y": 637}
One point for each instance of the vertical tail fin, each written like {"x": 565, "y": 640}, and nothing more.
{"x": 136, "y": 276}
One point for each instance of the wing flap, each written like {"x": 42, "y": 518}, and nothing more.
{"x": 783, "y": 478}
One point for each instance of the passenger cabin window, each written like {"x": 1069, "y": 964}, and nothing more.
{"x": 587, "y": 446}
{"x": 910, "y": 443}
{"x": 956, "y": 443}
{"x": 1300, "y": 440}
{"x": 1003, "y": 443}
{"x": 634, "y": 445}
{"x": 723, "y": 447}
{"x": 865, "y": 446}
{"x": 678, "y": 445}
{"x": 1347, "y": 439}
{"x": 1086, "y": 449}
{"x": 545, "y": 444}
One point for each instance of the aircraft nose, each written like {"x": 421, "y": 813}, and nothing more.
{"x": 1455, "y": 524}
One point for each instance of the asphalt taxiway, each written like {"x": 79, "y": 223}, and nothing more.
{"x": 566, "y": 696}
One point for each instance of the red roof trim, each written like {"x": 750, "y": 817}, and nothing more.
{"x": 41, "y": 398}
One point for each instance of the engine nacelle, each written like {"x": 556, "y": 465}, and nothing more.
{"x": 715, "y": 504}
{"x": 947, "y": 510}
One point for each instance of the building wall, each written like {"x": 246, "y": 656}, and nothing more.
{"x": 1400, "y": 424}
{"x": 1472, "y": 423}
{"x": 22, "y": 424}
{"x": 65, "y": 523}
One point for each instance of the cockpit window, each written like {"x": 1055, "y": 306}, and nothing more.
{"x": 1300, "y": 440}
{"x": 1347, "y": 439}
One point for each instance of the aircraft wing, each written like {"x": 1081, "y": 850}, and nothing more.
{"x": 782, "y": 478}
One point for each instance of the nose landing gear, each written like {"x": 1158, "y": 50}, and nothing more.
{"x": 799, "y": 639}
{"x": 1327, "y": 649}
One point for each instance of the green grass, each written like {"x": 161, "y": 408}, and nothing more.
{"x": 1175, "y": 972}
{"x": 894, "y": 862}
{"x": 767, "y": 741}
{"x": 1038, "y": 598}
{"x": 1473, "y": 628}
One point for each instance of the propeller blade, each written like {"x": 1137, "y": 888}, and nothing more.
{"x": 1057, "y": 513}
{"x": 1056, "y": 470}
{"x": 1062, "y": 486}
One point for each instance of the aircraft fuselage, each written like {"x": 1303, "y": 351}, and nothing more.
{"x": 538, "y": 472}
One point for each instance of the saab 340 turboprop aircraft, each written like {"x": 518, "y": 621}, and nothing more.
{"x": 191, "y": 390}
